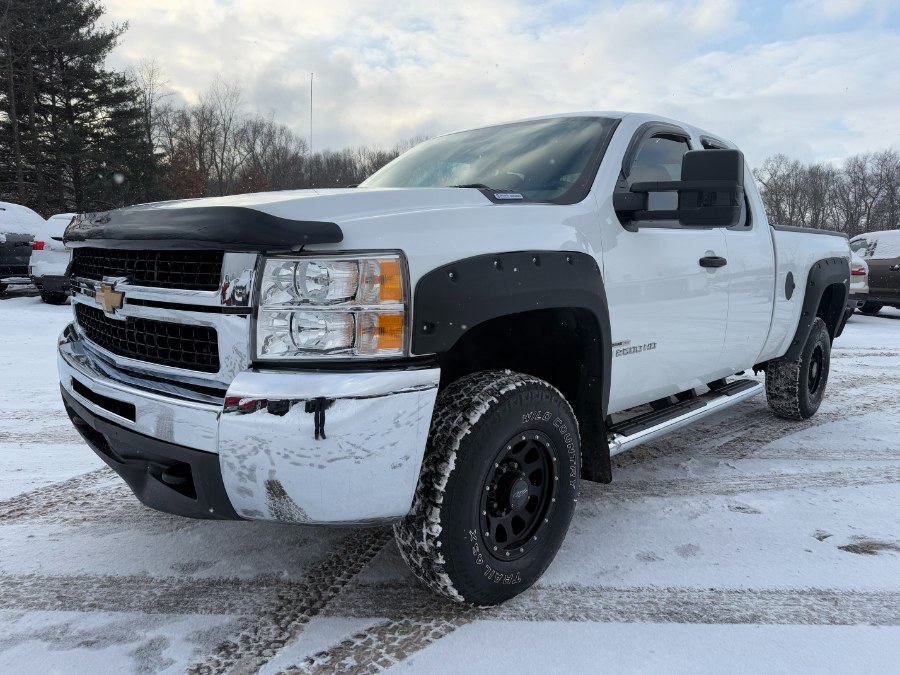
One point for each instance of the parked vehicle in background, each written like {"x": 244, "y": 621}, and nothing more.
{"x": 859, "y": 282}
{"x": 881, "y": 251}
{"x": 18, "y": 225}
{"x": 50, "y": 258}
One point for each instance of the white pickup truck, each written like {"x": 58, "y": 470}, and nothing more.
{"x": 450, "y": 346}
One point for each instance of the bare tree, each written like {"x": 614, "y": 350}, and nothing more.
{"x": 224, "y": 103}
{"x": 150, "y": 84}
{"x": 863, "y": 195}
{"x": 781, "y": 187}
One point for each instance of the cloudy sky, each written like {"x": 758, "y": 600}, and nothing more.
{"x": 815, "y": 79}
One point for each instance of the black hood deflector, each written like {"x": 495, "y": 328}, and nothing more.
{"x": 224, "y": 228}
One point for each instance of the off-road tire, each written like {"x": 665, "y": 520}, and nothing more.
{"x": 794, "y": 389}
{"x": 54, "y": 297}
{"x": 480, "y": 419}
{"x": 871, "y": 308}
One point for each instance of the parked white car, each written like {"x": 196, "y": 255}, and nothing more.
{"x": 50, "y": 258}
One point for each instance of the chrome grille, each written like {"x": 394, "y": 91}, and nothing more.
{"x": 190, "y": 270}
{"x": 168, "y": 344}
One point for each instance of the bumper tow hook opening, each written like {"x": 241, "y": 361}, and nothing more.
{"x": 175, "y": 476}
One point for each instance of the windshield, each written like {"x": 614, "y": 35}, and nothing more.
{"x": 540, "y": 159}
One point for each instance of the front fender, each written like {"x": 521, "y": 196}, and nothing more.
{"x": 453, "y": 299}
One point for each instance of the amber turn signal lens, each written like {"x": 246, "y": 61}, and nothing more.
{"x": 391, "y": 281}
{"x": 390, "y": 332}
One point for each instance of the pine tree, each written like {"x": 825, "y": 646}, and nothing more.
{"x": 71, "y": 134}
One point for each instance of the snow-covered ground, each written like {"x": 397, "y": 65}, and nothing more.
{"x": 743, "y": 544}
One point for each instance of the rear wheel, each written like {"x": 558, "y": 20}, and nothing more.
{"x": 54, "y": 297}
{"x": 794, "y": 389}
{"x": 871, "y": 308}
{"x": 497, "y": 490}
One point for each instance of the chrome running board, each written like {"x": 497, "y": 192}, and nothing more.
{"x": 647, "y": 426}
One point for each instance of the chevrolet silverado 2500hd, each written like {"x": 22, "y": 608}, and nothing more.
{"x": 449, "y": 347}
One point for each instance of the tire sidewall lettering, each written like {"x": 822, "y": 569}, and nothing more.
{"x": 490, "y": 438}
{"x": 572, "y": 446}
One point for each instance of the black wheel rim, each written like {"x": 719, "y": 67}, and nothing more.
{"x": 816, "y": 363}
{"x": 519, "y": 495}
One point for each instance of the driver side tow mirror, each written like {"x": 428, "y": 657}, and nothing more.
{"x": 710, "y": 192}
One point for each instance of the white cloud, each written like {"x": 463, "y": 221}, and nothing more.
{"x": 830, "y": 11}
{"x": 398, "y": 69}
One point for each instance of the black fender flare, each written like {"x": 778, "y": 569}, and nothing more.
{"x": 452, "y": 299}
{"x": 822, "y": 274}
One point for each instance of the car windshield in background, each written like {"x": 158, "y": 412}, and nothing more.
{"x": 540, "y": 159}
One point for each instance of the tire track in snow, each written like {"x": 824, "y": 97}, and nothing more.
{"x": 293, "y": 606}
{"x": 732, "y": 485}
{"x": 77, "y": 493}
{"x": 713, "y": 606}
{"x": 808, "y": 453}
{"x": 420, "y": 619}
{"x": 139, "y": 594}
{"x": 382, "y": 645}
{"x": 757, "y": 427}
{"x": 777, "y": 429}
{"x": 847, "y": 353}
{"x": 644, "y": 604}
{"x": 46, "y": 437}
{"x": 95, "y": 499}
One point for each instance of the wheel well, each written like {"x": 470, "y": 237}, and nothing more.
{"x": 562, "y": 346}
{"x": 831, "y": 308}
{"x": 542, "y": 343}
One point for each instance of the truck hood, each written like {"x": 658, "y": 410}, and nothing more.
{"x": 262, "y": 221}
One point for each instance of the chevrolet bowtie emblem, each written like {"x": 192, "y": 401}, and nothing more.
{"x": 108, "y": 299}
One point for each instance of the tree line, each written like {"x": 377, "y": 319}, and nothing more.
{"x": 77, "y": 136}
{"x": 860, "y": 195}
{"x": 215, "y": 147}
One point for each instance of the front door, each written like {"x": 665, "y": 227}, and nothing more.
{"x": 668, "y": 312}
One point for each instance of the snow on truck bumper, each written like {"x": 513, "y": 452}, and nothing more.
{"x": 302, "y": 447}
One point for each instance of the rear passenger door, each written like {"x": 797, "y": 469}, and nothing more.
{"x": 668, "y": 312}
{"x": 751, "y": 265}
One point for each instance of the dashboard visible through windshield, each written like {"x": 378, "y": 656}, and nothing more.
{"x": 541, "y": 159}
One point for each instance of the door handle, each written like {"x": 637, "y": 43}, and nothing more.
{"x": 713, "y": 261}
{"x": 894, "y": 268}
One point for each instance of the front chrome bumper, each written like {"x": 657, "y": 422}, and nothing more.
{"x": 294, "y": 446}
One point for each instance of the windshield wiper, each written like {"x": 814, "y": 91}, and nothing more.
{"x": 480, "y": 186}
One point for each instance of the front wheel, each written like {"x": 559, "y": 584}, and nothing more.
{"x": 794, "y": 389}
{"x": 497, "y": 489}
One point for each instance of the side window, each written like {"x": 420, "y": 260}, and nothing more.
{"x": 659, "y": 159}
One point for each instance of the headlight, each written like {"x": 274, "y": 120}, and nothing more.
{"x": 338, "y": 307}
